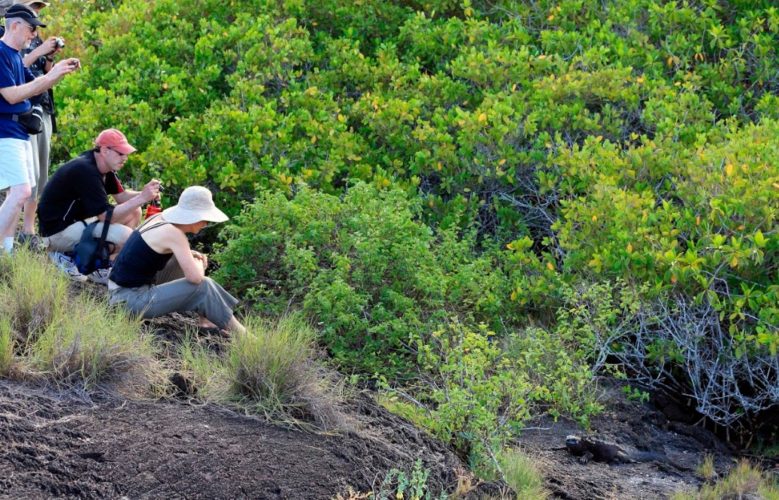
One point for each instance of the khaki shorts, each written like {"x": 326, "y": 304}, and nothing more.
{"x": 66, "y": 240}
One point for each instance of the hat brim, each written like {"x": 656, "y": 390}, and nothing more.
{"x": 34, "y": 22}
{"x": 125, "y": 149}
{"x": 178, "y": 215}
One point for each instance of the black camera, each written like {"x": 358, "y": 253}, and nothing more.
{"x": 59, "y": 42}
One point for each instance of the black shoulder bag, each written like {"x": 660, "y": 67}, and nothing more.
{"x": 94, "y": 253}
{"x": 31, "y": 120}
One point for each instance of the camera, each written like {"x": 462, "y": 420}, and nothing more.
{"x": 59, "y": 42}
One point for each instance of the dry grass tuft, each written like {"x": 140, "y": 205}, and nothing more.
{"x": 270, "y": 371}
{"x": 67, "y": 340}
{"x": 521, "y": 474}
{"x": 743, "y": 481}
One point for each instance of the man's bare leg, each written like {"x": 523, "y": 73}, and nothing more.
{"x": 10, "y": 210}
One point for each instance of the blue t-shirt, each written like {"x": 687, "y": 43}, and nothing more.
{"x": 12, "y": 73}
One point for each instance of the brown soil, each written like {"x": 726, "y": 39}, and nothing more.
{"x": 54, "y": 444}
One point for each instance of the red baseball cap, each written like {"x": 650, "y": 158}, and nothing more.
{"x": 112, "y": 138}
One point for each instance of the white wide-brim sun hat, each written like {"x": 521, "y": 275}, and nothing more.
{"x": 195, "y": 204}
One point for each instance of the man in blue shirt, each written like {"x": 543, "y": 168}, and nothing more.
{"x": 17, "y": 85}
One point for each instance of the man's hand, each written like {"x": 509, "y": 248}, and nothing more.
{"x": 48, "y": 48}
{"x": 62, "y": 68}
{"x": 151, "y": 191}
{"x": 202, "y": 258}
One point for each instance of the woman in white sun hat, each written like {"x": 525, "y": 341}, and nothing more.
{"x": 138, "y": 277}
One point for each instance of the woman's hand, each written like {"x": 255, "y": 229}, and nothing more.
{"x": 201, "y": 257}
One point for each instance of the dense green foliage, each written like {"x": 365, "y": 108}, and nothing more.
{"x": 422, "y": 175}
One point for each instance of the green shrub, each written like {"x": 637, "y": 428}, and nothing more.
{"x": 360, "y": 267}
{"x": 481, "y": 389}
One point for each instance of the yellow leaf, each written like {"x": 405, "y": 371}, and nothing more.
{"x": 640, "y": 80}
{"x": 550, "y": 266}
{"x": 482, "y": 117}
{"x": 439, "y": 166}
{"x": 313, "y": 139}
{"x": 341, "y": 118}
{"x": 734, "y": 262}
{"x": 514, "y": 295}
{"x": 630, "y": 248}
{"x": 729, "y": 169}
{"x": 697, "y": 220}
{"x": 550, "y": 18}
{"x": 594, "y": 218}
{"x": 502, "y": 162}
{"x": 673, "y": 279}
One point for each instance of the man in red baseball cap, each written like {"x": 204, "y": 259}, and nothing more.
{"x": 77, "y": 195}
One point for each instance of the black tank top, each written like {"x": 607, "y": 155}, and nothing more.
{"x": 137, "y": 263}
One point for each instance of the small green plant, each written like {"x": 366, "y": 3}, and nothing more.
{"x": 635, "y": 394}
{"x": 521, "y": 473}
{"x": 398, "y": 485}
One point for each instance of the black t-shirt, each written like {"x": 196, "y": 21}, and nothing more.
{"x": 75, "y": 192}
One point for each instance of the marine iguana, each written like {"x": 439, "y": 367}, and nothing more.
{"x": 589, "y": 448}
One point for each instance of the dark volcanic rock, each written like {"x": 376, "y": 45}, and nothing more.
{"x": 55, "y": 445}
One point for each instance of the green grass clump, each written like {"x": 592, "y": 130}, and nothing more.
{"x": 743, "y": 481}
{"x": 706, "y": 468}
{"x": 74, "y": 340}
{"x": 94, "y": 344}
{"x": 269, "y": 371}
{"x": 521, "y": 473}
{"x": 6, "y": 346}
{"x": 34, "y": 294}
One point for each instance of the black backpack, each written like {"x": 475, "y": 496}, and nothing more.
{"x": 94, "y": 253}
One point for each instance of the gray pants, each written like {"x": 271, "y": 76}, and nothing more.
{"x": 41, "y": 147}
{"x": 208, "y": 298}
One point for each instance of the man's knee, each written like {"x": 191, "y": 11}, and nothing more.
{"x": 131, "y": 220}
{"x": 117, "y": 234}
{"x": 20, "y": 194}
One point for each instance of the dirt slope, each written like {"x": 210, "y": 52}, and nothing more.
{"x": 55, "y": 445}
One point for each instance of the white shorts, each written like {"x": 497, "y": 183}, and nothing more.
{"x": 66, "y": 240}
{"x": 17, "y": 165}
